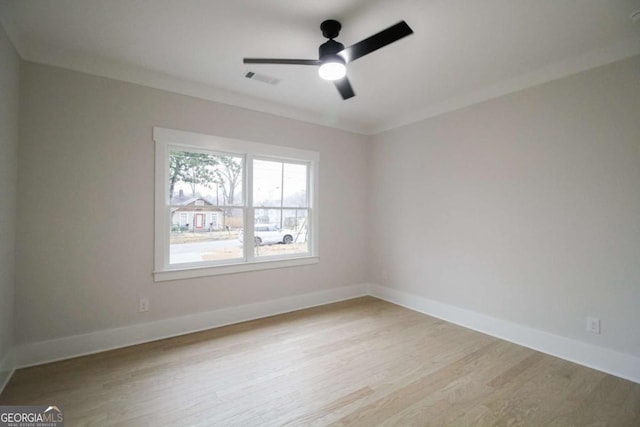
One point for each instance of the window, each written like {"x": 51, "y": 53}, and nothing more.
{"x": 225, "y": 206}
{"x": 281, "y": 207}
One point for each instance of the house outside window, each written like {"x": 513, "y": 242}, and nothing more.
{"x": 225, "y": 206}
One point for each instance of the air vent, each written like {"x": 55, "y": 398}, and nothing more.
{"x": 261, "y": 78}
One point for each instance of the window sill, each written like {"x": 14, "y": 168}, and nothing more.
{"x": 190, "y": 273}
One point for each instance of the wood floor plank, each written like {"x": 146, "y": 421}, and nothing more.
{"x": 359, "y": 362}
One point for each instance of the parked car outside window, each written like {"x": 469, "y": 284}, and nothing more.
{"x": 266, "y": 234}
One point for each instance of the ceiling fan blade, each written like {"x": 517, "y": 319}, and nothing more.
{"x": 376, "y": 41}
{"x": 281, "y": 61}
{"x": 344, "y": 87}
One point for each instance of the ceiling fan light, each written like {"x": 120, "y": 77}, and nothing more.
{"x": 332, "y": 70}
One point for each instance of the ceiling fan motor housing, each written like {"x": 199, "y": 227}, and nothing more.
{"x": 330, "y": 49}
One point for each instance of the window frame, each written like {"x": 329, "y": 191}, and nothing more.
{"x": 170, "y": 139}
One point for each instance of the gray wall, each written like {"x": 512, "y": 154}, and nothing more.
{"x": 525, "y": 208}
{"x": 9, "y": 84}
{"x": 85, "y": 197}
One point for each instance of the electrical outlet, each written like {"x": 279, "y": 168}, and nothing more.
{"x": 144, "y": 305}
{"x": 593, "y": 325}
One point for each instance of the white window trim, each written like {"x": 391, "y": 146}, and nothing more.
{"x": 165, "y": 138}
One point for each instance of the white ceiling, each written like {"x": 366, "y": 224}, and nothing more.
{"x": 462, "y": 52}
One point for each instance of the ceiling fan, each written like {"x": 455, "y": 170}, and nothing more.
{"x": 333, "y": 56}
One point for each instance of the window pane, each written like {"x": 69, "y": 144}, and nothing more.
{"x": 215, "y": 178}
{"x": 281, "y": 232}
{"x": 295, "y": 185}
{"x": 279, "y": 184}
{"x": 205, "y": 233}
{"x": 267, "y": 183}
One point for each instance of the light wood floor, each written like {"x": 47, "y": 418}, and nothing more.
{"x": 360, "y": 362}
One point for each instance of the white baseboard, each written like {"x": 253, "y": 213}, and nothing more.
{"x": 619, "y": 364}
{"x": 79, "y": 345}
{"x": 603, "y": 359}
